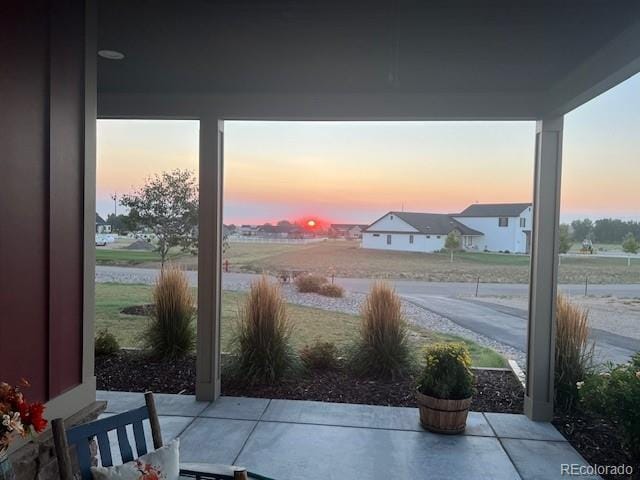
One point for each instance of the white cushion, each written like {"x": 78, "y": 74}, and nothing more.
{"x": 161, "y": 464}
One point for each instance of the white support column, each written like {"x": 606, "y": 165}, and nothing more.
{"x": 209, "y": 259}
{"x": 538, "y": 403}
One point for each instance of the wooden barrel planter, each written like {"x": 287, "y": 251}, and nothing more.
{"x": 443, "y": 416}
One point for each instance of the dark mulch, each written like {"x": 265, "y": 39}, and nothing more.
{"x": 142, "y": 310}
{"x": 596, "y": 438}
{"x": 497, "y": 391}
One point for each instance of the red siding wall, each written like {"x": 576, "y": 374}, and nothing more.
{"x": 41, "y": 194}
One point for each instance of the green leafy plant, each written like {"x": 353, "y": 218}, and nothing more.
{"x": 630, "y": 244}
{"x": 106, "y": 344}
{"x": 447, "y": 372}
{"x": 574, "y": 351}
{"x": 452, "y": 243}
{"x": 320, "y": 356}
{"x": 170, "y": 333}
{"x": 382, "y": 347}
{"x": 263, "y": 335}
{"x": 331, "y": 290}
{"x": 310, "y": 283}
{"x": 566, "y": 241}
{"x": 615, "y": 393}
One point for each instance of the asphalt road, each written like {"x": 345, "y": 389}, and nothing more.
{"x": 504, "y": 324}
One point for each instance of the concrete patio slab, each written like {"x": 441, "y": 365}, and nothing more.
{"x": 511, "y": 425}
{"x": 167, "y": 404}
{"x": 118, "y": 402}
{"x": 240, "y": 408}
{"x": 214, "y": 440}
{"x": 320, "y": 452}
{"x": 291, "y": 439}
{"x": 536, "y": 460}
{"x": 366, "y": 416}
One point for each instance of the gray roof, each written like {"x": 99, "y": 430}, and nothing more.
{"x": 100, "y": 220}
{"x": 433, "y": 223}
{"x": 493, "y": 210}
{"x": 347, "y": 226}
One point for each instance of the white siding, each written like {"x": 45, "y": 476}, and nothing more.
{"x": 401, "y": 242}
{"x": 496, "y": 238}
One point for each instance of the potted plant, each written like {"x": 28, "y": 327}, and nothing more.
{"x": 445, "y": 388}
{"x": 18, "y": 418}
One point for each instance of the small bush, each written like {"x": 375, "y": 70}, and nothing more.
{"x": 382, "y": 348}
{"x": 310, "y": 283}
{"x": 320, "y": 356}
{"x": 447, "y": 372}
{"x": 106, "y": 344}
{"x": 615, "y": 393}
{"x": 331, "y": 290}
{"x": 170, "y": 334}
{"x": 574, "y": 351}
{"x": 263, "y": 335}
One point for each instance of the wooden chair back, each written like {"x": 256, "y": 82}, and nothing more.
{"x": 80, "y": 437}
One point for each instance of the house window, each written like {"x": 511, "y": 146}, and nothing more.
{"x": 388, "y": 239}
{"x": 376, "y": 234}
{"x": 523, "y": 222}
{"x": 390, "y": 217}
{"x": 438, "y": 236}
{"x": 503, "y": 221}
{"x": 468, "y": 241}
{"x": 428, "y": 236}
{"x": 410, "y": 238}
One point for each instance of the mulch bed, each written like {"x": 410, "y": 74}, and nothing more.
{"x": 596, "y": 438}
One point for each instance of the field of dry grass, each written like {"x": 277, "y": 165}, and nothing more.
{"x": 347, "y": 259}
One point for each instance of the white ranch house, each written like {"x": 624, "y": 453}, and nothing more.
{"x": 502, "y": 227}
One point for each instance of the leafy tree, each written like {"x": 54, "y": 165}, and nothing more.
{"x": 452, "y": 242}
{"x": 565, "y": 238}
{"x": 630, "y": 244}
{"x": 121, "y": 223}
{"x": 167, "y": 204}
{"x": 582, "y": 229}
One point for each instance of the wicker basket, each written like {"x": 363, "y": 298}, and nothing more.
{"x": 443, "y": 416}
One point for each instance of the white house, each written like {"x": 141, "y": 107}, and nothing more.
{"x": 482, "y": 227}
{"x": 416, "y": 232}
{"x": 506, "y": 226}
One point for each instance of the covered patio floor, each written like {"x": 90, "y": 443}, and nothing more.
{"x": 291, "y": 439}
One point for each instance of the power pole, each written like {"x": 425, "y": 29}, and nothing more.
{"x": 114, "y": 197}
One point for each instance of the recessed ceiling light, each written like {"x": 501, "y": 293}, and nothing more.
{"x": 111, "y": 54}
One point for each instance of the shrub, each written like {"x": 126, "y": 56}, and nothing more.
{"x": 331, "y": 290}
{"x": 320, "y": 356}
{"x": 106, "y": 344}
{"x": 263, "y": 334}
{"x": 447, "y": 372}
{"x": 310, "y": 283}
{"x": 170, "y": 334}
{"x": 382, "y": 348}
{"x": 615, "y": 393}
{"x": 630, "y": 244}
{"x": 574, "y": 351}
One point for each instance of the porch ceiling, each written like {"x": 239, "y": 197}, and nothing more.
{"x": 367, "y": 47}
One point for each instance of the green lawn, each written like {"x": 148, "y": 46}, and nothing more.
{"x": 121, "y": 256}
{"x": 310, "y": 323}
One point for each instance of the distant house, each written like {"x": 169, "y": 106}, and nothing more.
{"x": 349, "y": 231}
{"x": 415, "y": 232}
{"x": 506, "y": 226}
{"x": 247, "y": 230}
{"x": 481, "y": 227}
{"x": 101, "y": 225}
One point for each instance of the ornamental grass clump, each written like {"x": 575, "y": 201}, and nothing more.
{"x": 615, "y": 393}
{"x": 447, "y": 372}
{"x": 310, "y": 283}
{"x": 263, "y": 335}
{"x": 574, "y": 351}
{"x": 382, "y": 348}
{"x": 331, "y": 290}
{"x": 170, "y": 334}
{"x": 320, "y": 356}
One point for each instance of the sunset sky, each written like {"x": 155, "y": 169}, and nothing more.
{"x": 357, "y": 171}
